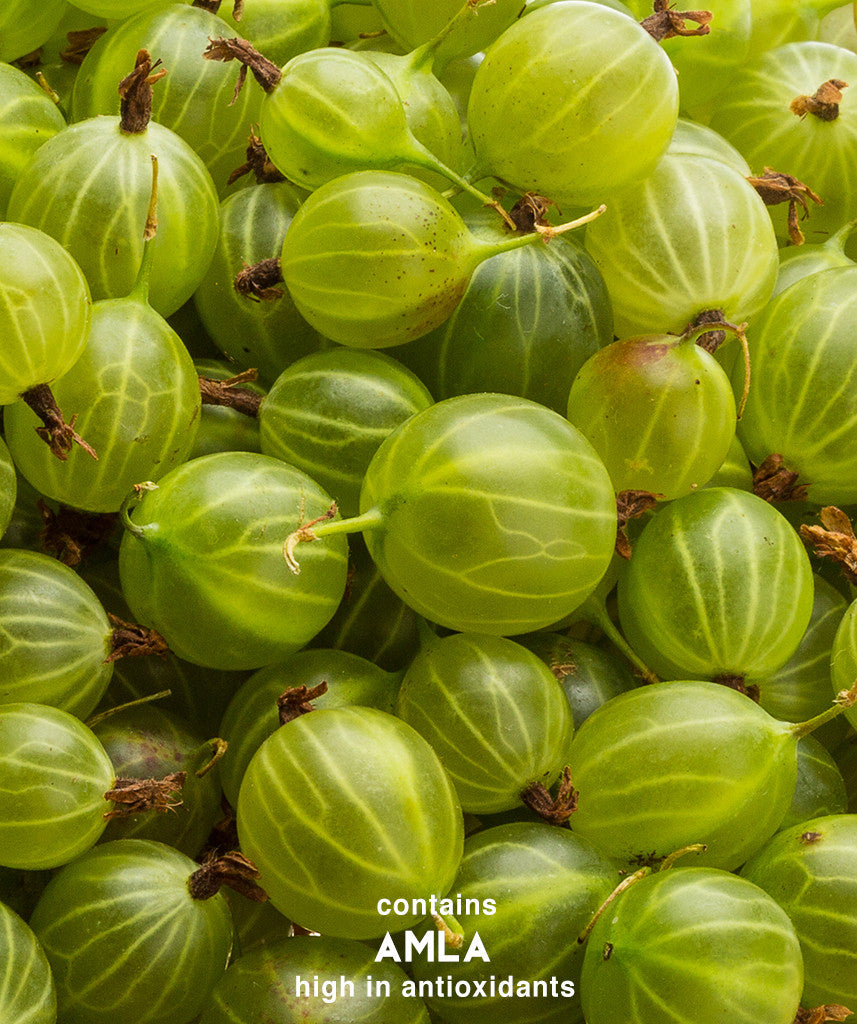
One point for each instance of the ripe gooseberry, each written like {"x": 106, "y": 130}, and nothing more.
{"x": 486, "y": 513}
{"x": 344, "y": 807}
{"x": 377, "y": 258}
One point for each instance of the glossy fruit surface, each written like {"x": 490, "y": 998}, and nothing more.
{"x": 203, "y": 561}
{"x": 96, "y": 205}
{"x": 718, "y": 584}
{"x": 669, "y": 938}
{"x": 27, "y": 993}
{"x": 126, "y": 940}
{"x": 809, "y": 870}
{"x": 45, "y": 310}
{"x": 328, "y": 413}
{"x": 493, "y": 712}
{"x": 671, "y": 764}
{"x": 461, "y": 537}
{"x": 54, "y": 635}
{"x": 549, "y": 80}
{"x": 546, "y": 883}
{"x": 243, "y": 997}
{"x": 677, "y": 390}
{"x": 55, "y": 774}
{"x": 342, "y": 808}
{"x": 812, "y": 322}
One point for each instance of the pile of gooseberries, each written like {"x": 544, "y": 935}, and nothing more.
{"x": 457, "y": 405}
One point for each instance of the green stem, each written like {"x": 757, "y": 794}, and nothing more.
{"x": 93, "y": 720}
{"x": 134, "y": 498}
{"x": 422, "y": 58}
{"x": 140, "y": 291}
{"x": 595, "y": 610}
{"x": 839, "y": 238}
{"x": 844, "y": 700}
{"x": 325, "y": 526}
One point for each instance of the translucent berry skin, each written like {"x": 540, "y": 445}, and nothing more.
{"x": 673, "y": 939}
{"x": 343, "y": 807}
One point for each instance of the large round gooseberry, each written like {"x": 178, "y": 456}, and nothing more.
{"x": 672, "y": 764}
{"x": 707, "y": 945}
{"x": 803, "y": 403}
{"x": 658, "y": 409}
{"x": 718, "y": 586}
{"x": 89, "y": 187}
{"x": 693, "y": 236}
{"x": 130, "y": 937}
{"x": 344, "y": 807}
{"x": 487, "y": 514}
{"x": 494, "y": 714}
{"x": 587, "y": 95}
{"x": 377, "y": 258}
{"x": 201, "y": 561}
{"x": 810, "y": 870}
{"x": 27, "y": 991}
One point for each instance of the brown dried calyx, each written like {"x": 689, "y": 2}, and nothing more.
{"x": 259, "y": 281}
{"x": 824, "y": 102}
{"x": 822, "y": 1014}
{"x": 56, "y": 433}
{"x": 530, "y": 212}
{"x": 773, "y": 481}
{"x": 69, "y": 534}
{"x": 229, "y": 393}
{"x": 667, "y": 22}
{"x": 130, "y": 640}
{"x": 80, "y": 42}
{"x": 233, "y": 870}
{"x": 259, "y": 163}
{"x": 775, "y": 187}
{"x": 630, "y": 505}
{"x": 834, "y": 539}
{"x": 265, "y": 71}
{"x": 135, "y": 92}
{"x": 297, "y": 701}
{"x": 554, "y": 811}
{"x": 134, "y": 796}
{"x": 711, "y": 340}
{"x": 739, "y": 683}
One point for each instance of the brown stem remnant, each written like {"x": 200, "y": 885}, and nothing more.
{"x": 265, "y": 71}
{"x": 134, "y": 796}
{"x": 822, "y": 1014}
{"x": 530, "y": 212}
{"x": 229, "y": 393}
{"x": 258, "y": 162}
{"x": 130, "y": 640}
{"x": 56, "y": 433}
{"x": 451, "y": 939}
{"x": 554, "y": 811}
{"x": 135, "y": 92}
{"x": 711, "y": 340}
{"x": 773, "y": 481}
{"x": 297, "y": 701}
{"x": 212, "y": 6}
{"x": 739, "y": 683}
{"x": 69, "y": 534}
{"x": 834, "y": 539}
{"x": 259, "y": 281}
{"x": 305, "y": 533}
{"x": 233, "y": 870}
{"x": 667, "y": 22}
{"x": 630, "y": 505}
{"x": 80, "y": 42}
{"x": 824, "y": 102}
{"x": 775, "y": 187}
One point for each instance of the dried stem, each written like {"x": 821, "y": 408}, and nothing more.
{"x": 297, "y": 701}
{"x": 834, "y": 539}
{"x": 667, "y": 22}
{"x": 130, "y": 640}
{"x": 230, "y": 394}
{"x": 135, "y": 92}
{"x": 824, "y": 102}
{"x": 134, "y": 796}
{"x": 773, "y": 481}
{"x": 631, "y": 504}
{"x": 259, "y": 281}
{"x": 555, "y": 811}
{"x": 56, "y": 433}
{"x": 233, "y": 870}
{"x": 775, "y": 187}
